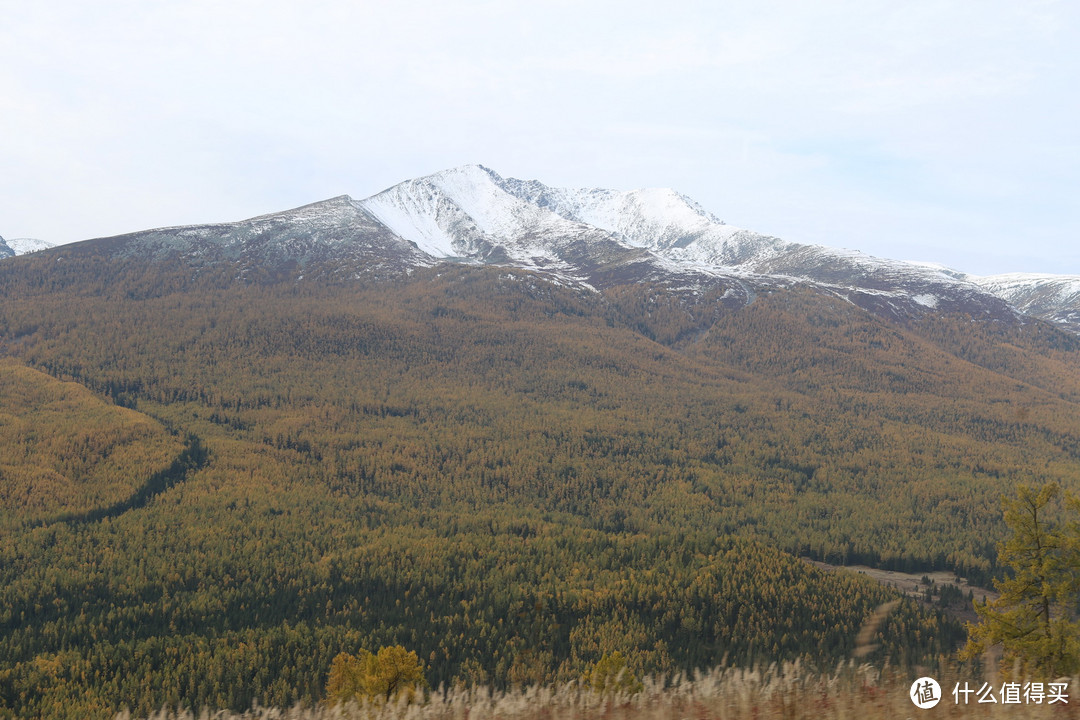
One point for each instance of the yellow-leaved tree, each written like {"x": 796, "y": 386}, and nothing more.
{"x": 392, "y": 674}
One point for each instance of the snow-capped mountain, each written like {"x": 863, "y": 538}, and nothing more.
{"x": 1051, "y": 297}
{"x": 333, "y": 237}
{"x": 657, "y": 219}
{"x": 594, "y": 239}
{"x": 465, "y": 214}
{"x": 475, "y": 214}
{"x": 22, "y": 246}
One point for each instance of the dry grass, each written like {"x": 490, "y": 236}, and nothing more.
{"x": 787, "y": 692}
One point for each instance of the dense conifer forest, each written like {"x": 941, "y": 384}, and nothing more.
{"x": 209, "y": 488}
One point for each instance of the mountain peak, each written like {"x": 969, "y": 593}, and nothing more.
{"x": 470, "y": 173}
{"x": 464, "y": 211}
{"x": 591, "y": 237}
{"x": 22, "y": 246}
{"x": 602, "y": 237}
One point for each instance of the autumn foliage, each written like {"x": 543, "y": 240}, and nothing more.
{"x": 512, "y": 479}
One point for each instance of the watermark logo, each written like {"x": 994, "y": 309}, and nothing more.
{"x": 925, "y": 693}
{"x": 1013, "y": 693}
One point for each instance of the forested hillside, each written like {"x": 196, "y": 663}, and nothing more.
{"x": 64, "y": 451}
{"x": 507, "y": 476}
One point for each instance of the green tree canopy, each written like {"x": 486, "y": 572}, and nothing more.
{"x": 611, "y": 675}
{"x": 1034, "y": 618}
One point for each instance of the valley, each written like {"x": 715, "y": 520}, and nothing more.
{"x": 514, "y": 461}
{"x": 924, "y": 587}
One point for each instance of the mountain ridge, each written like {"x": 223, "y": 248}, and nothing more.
{"x": 589, "y": 237}
{"x": 1055, "y": 298}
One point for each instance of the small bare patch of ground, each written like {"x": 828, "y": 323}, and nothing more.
{"x": 929, "y": 588}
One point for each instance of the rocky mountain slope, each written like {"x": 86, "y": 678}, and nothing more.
{"x": 591, "y": 238}
{"x": 333, "y": 237}
{"x": 1055, "y": 298}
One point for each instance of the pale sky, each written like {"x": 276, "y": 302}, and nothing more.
{"x": 920, "y": 130}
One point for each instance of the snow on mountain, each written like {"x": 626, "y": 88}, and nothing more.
{"x": 1051, "y": 297}
{"x": 21, "y": 246}
{"x": 658, "y": 219}
{"x": 472, "y": 212}
{"x": 464, "y": 212}
{"x": 336, "y": 235}
{"x": 594, "y": 238}
{"x": 676, "y": 228}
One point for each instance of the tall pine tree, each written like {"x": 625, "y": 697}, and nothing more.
{"x": 1034, "y": 618}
